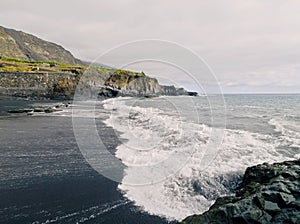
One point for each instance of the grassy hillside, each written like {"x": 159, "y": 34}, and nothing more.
{"x": 24, "y": 46}
{"x": 17, "y": 65}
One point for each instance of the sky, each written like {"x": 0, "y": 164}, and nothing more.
{"x": 251, "y": 46}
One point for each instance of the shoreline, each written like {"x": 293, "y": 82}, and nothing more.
{"x": 74, "y": 174}
{"x": 52, "y": 178}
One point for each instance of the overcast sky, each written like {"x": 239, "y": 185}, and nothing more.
{"x": 252, "y": 46}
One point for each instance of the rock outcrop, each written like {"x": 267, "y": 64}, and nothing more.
{"x": 20, "y": 45}
{"x": 268, "y": 194}
{"x": 127, "y": 83}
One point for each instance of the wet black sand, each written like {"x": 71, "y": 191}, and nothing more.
{"x": 45, "y": 179}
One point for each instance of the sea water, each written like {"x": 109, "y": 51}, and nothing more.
{"x": 259, "y": 128}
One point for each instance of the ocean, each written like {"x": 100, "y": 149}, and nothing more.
{"x": 179, "y": 155}
{"x": 259, "y": 128}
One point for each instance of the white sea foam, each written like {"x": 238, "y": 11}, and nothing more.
{"x": 288, "y": 138}
{"x": 158, "y": 140}
{"x": 154, "y": 136}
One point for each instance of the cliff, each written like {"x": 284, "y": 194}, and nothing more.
{"x": 37, "y": 79}
{"x": 37, "y": 85}
{"x": 32, "y": 67}
{"x": 268, "y": 194}
{"x": 20, "y": 45}
{"x": 127, "y": 83}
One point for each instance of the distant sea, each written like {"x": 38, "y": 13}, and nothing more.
{"x": 45, "y": 179}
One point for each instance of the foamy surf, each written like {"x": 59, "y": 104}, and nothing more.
{"x": 153, "y": 136}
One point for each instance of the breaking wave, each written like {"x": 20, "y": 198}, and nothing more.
{"x": 154, "y": 135}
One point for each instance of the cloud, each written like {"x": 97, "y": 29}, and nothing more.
{"x": 247, "y": 43}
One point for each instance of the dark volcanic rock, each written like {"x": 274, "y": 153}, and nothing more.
{"x": 268, "y": 194}
{"x": 39, "y": 109}
{"x": 108, "y": 91}
{"x": 192, "y": 93}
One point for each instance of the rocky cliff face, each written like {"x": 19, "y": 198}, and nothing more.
{"x": 38, "y": 85}
{"x": 146, "y": 86}
{"x": 20, "y": 45}
{"x": 62, "y": 85}
{"x": 126, "y": 83}
{"x": 268, "y": 194}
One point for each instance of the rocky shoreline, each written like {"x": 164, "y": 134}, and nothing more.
{"x": 269, "y": 193}
{"x": 41, "y": 109}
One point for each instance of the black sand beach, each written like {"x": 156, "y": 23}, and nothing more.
{"x": 45, "y": 179}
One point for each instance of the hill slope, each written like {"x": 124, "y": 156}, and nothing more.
{"x": 20, "y": 45}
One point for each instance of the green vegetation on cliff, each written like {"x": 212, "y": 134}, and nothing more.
{"x": 16, "y": 65}
{"x": 50, "y": 79}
